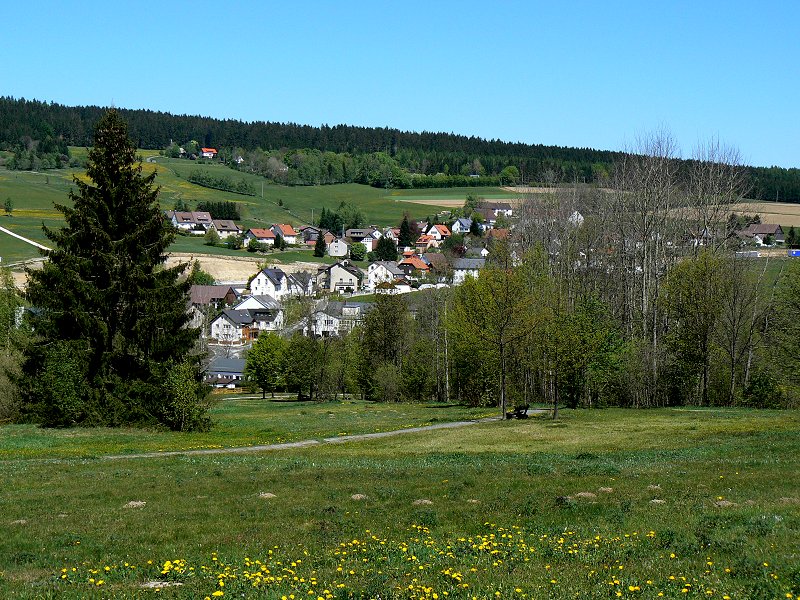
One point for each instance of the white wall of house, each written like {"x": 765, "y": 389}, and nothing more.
{"x": 338, "y": 248}
{"x": 459, "y": 275}
{"x": 225, "y": 331}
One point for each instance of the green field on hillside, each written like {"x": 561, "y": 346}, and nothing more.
{"x": 673, "y": 503}
{"x": 34, "y": 194}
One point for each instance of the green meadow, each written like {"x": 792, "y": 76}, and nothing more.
{"x": 34, "y": 194}
{"x": 672, "y": 503}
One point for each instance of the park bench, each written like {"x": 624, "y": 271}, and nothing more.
{"x": 519, "y": 412}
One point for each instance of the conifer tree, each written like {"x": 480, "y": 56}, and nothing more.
{"x": 111, "y": 322}
{"x": 406, "y": 238}
{"x": 320, "y": 247}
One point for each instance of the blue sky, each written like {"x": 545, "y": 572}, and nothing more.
{"x": 586, "y": 74}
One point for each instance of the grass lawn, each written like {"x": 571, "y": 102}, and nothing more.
{"x": 674, "y": 503}
{"x": 34, "y": 194}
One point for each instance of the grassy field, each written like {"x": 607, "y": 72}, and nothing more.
{"x": 34, "y": 195}
{"x": 783, "y": 213}
{"x": 675, "y": 503}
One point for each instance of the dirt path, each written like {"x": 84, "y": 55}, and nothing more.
{"x": 305, "y": 443}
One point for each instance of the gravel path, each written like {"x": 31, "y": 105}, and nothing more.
{"x": 304, "y": 444}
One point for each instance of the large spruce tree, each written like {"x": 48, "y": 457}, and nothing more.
{"x": 111, "y": 344}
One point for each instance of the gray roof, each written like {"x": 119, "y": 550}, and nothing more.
{"x": 267, "y": 301}
{"x": 274, "y": 274}
{"x": 226, "y": 365}
{"x": 464, "y": 222}
{"x": 469, "y": 264}
{"x": 238, "y": 317}
{"x": 332, "y": 308}
{"x": 391, "y": 266}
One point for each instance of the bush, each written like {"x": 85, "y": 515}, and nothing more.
{"x": 186, "y": 406}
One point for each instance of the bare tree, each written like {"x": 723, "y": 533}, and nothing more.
{"x": 646, "y": 229}
{"x": 716, "y": 182}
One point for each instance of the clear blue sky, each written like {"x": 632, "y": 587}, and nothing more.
{"x": 587, "y": 74}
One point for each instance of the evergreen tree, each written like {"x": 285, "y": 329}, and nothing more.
{"x": 386, "y": 250}
{"x": 111, "y": 324}
{"x": 320, "y": 247}
{"x": 406, "y": 238}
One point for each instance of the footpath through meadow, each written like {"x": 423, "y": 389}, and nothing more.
{"x": 306, "y": 443}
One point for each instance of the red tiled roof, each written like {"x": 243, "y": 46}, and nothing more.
{"x": 286, "y": 229}
{"x": 443, "y": 230}
{"x": 263, "y": 233}
{"x": 214, "y": 150}
{"x": 416, "y": 263}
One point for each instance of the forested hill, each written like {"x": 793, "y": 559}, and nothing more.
{"x": 423, "y": 153}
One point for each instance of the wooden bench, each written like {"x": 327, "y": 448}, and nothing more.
{"x": 519, "y": 412}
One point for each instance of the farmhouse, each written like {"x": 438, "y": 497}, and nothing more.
{"x": 208, "y": 152}
{"x": 212, "y": 295}
{"x": 759, "y": 232}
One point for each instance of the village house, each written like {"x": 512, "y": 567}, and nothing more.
{"x": 466, "y": 267}
{"x": 196, "y": 222}
{"x": 413, "y": 266}
{"x": 339, "y": 277}
{"x": 424, "y": 243}
{"x": 338, "y": 248}
{"x": 369, "y": 237}
{"x": 353, "y": 314}
{"x": 498, "y": 208}
{"x": 309, "y": 234}
{"x": 439, "y": 233}
{"x": 203, "y": 297}
{"x": 461, "y": 225}
{"x": 208, "y": 152}
{"x": 286, "y": 232}
{"x": 212, "y": 295}
{"x": 244, "y": 322}
{"x": 393, "y": 233}
{"x": 497, "y": 235}
{"x": 225, "y": 372}
{"x": 760, "y": 232}
{"x": 488, "y": 216}
{"x": 325, "y": 321}
{"x": 382, "y": 271}
{"x": 262, "y": 236}
{"x": 225, "y": 228}
{"x": 274, "y": 282}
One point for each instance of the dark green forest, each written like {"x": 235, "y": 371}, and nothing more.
{"x": 38, "y": 133}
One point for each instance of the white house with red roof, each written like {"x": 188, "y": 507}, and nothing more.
{"x": 438, "y": 232}
{"x": 208, "y": 152}
{"x": 286, "y": 232}
{"x": 262, "y": 236}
